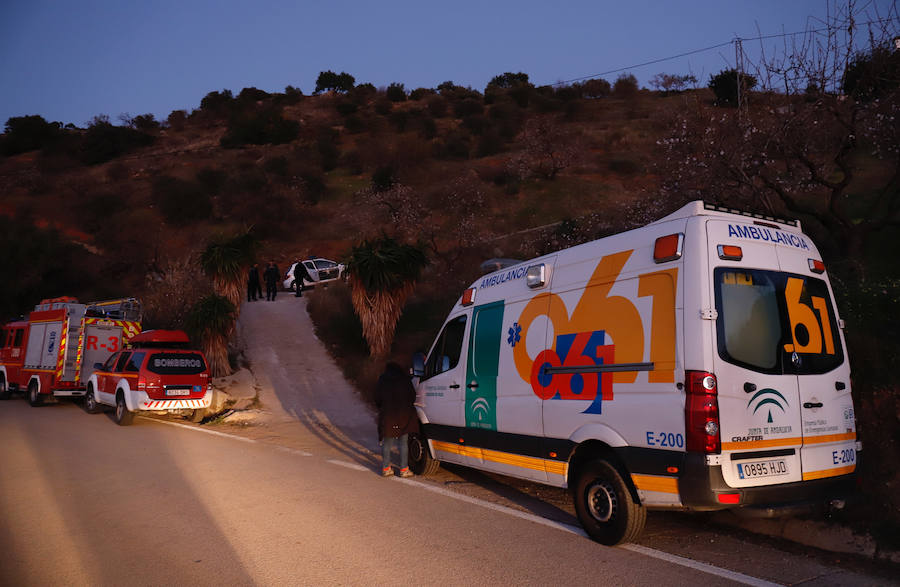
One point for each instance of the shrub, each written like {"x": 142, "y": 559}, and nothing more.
{"x": 870, "y": 75}
{"x": 217, "y": 102}
{"x": 259, "y": 128}
{"x": 468, "y": 107}
{"x": 672, "y": 84}
{"x": 28, "y": 133}
{"x": 626, "y": 86}
{"x": 725, "y": 86}
{"x": 396, "y": 92}
{"x": 177, "y": 119}
{"x": 454, "y": 146}
{"x": 103, "y": 142}
{"x": 421, "y": 93}
{"x": 596, "y": 88}
{"x": 181, "y": 202}
{"x": 252, "y": 94}
{"x": 327, "y": 146}
{"x": 383, "y": 106}
{"x": 437, "y": 105}
{"x": 346, "y": 107}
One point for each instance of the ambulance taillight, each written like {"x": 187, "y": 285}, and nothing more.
{"x": 816, "y": 266}
{"x": 701, "y": 413}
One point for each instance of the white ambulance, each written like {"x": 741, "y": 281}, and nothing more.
{"x": 696, "y": 363}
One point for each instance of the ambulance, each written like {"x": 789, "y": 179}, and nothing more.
{"x": 696, "y": 363}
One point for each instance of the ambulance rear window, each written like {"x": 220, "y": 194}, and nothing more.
{"x": 767, "y": 316}
{"x": 176, "y": 363}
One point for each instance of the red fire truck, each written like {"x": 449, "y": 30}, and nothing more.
{"x": 43, "y": 355}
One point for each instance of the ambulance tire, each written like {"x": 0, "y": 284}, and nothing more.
{"x": 34, "y": 396}
{"x": 122, "y": 416}
{"x": 420, "y": 459}
{"x": 90, "y": 400}
{"x": 605, "y": 507}
{"x": 4, "y": 390}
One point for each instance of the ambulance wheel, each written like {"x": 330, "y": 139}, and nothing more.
{"x": 4, "y": 390}
{"x": 420, "y": 459}
{"x": 34, "y": 396}
{"x": 123, "y": 416}
{"x": 605, "y": 506}
{"x": 90, "y": 402}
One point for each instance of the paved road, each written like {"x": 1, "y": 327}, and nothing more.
{"x": 295, "y": 499}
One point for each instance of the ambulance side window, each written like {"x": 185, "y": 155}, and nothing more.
{"x": 447, "y": 349}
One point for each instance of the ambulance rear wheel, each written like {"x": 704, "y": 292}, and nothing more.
{"x": 123, "y": 416}
{"x": 90, "y": 401}
{"x": 605, "y": 506}
{"x": 4, "y": 390}
{"x": 420, "y": 459}
{"x": 34, "y": 396}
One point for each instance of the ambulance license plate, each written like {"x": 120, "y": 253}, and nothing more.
{"x": 755, "y": 469}
{"x": 178, "y": 391}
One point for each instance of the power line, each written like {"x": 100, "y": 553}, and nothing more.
{"x": 710, "y": 48}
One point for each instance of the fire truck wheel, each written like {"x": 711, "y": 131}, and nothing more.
{"x": 604, "y": 505}
{"x": 4, "y": 391}
{"x": 123, "y": 416}
{"x": 34, "y": 397}
{"x": 90, "y": 402}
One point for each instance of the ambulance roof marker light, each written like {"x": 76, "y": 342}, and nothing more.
{"x": 816, "y": 266}
{"x": 730, "y": 252}
{"x": 536, "y": 276}
{"x": 468, "y": 297}
{"x": 668, "y": 248}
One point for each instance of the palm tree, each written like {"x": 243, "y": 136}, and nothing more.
{"x": 211, "y": 322}
{"x": 382, "y": 274}
{"x": 225, "y": 261}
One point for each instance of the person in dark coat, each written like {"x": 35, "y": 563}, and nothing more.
{"x": 300, "y": 273}
{"x": 271, "y": 276}
{"x": 395, "y": 398}
{"x": 253, "y": 287}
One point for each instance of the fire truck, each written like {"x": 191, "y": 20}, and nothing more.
{"x": 43, "y": 355}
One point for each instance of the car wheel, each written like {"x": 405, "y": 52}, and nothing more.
{"x": 4, "y": 390}
{"x": 123, "y": 416}
{"x": 605, "y": 506}
{"x": 198, "y": 415}
{"x": 90, "y": 402}
{"x": 420, "y": 459}
{"x": 34, "y": 396}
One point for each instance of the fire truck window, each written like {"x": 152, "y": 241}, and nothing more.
{"x": 20, "y": 333}
{"x": 123, "y": 360}
{"x": 7, "y": 336}
{"x": 134, "y": 363}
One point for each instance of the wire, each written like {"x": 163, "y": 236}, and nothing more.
{"x": 710, "y": 48}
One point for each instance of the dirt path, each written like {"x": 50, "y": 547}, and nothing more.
{"x": 302, "y": 391}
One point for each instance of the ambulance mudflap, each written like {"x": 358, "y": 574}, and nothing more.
{"x": 696, "y": 363}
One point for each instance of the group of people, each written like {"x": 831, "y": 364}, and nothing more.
{"x": 254, "y": 285}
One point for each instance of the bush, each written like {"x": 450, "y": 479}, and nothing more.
{"x": 181, "y": 202}
{"x": 468, "y": 107}
{"x": 437, "y": 105}
{"x": 626, "y": 86}
{"x": 252, "y": 94}
{"x": 383, "y": 106}
{"x": 28, "y": 133}
{"x": 421, "y": 93}
{"x": 596, "y": 88}
{"x": 217, "y": 102}
{"x": 327, "y": 146}
{"x": 346, "y": 107}
{"x": 177, "y": 119}
{"x": 396, "y": 92}
{"x": 103, "y": 142}
{"x": 260, "y": 128}
{"x": 725, "y": 86}
{"x": 873, "y": 74}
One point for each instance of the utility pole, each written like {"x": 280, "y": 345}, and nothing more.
{"x": 739, "y": 68}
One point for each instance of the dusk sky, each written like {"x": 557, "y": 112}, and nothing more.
{"x": 70, "y": 61}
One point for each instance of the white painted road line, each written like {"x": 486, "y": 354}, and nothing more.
{"x": 636, "y": 548}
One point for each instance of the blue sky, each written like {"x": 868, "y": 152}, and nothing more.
{"x": 70, "y": 61}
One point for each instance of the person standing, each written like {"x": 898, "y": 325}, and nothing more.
{"x": 271, "y": 276}
{"x": 300, "y": 273}
{"x": 258, "y": 282}
{"x": 253, "y": 287}
{"x": 395, "y": 398}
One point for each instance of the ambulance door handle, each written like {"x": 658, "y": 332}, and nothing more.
{"x": 472, "y": 385}
{"x": 811, "y": 405}
{"x": 749, "y": 387}
{"x": 454, "y": 386}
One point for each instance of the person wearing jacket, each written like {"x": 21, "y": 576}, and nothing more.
{"x": 395, "y": 398}
{"x": 253, "y": 286}
{"x": 271, "y": 276}
{"x": 300, "y": 273}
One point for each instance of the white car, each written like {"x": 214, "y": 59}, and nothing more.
{"x": 320, "y": 271}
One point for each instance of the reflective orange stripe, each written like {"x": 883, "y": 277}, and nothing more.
{"x": 828, "y": 473}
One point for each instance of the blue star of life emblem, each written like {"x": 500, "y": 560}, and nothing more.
{"x": 514, "y": 334}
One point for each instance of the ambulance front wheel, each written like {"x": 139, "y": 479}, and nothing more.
{"x": 605, "y": 506}
{"x": 420, "y": 459}
{"x": 123, "y": 416}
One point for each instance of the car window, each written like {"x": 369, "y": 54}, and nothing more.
{"x": 110, "y": 362}
{"x": 123, "y": 360}
{"x": 323, "y": 264}
{"x": 134, "y": 362}
{"x": 445, "y": 354}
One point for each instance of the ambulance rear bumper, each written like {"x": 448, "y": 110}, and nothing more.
{"x": 702, "y": 488}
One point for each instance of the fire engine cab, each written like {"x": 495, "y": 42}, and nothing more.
{"x": 43, "y": 355}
